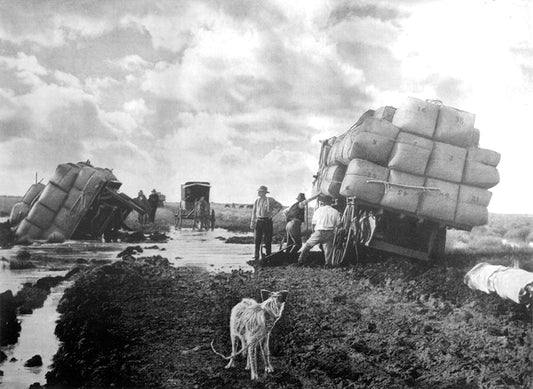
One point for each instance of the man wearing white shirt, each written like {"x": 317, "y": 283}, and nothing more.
{"x": 325, "y": 219}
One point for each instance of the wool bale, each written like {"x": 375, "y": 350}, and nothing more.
{"x": 324, "y": 150}
{"x": 65, "y": 175}
{"x": 510, "y": 283}
{"x": 18, "y": 212}
{"x": 455, "y": 127}
{"x": 331, "y": 180}
{"x": 355, "y": 183}
{"x": 32, "y": 193}
{"x": 417, "y": 117}
{"x": 335, "y": 153}
{"x": 402, "y": 197}
{"x": 372, "y": 140}
{"x": 41, "y": 216}
{"x": 27, "y": 231}
{"x": 85, "y": 174}
{"x": 476, "y": 136}
{"x": 477, "y": 278}
{"x": 488, "y": 157}
{"x": 66, "y": 222}
{"x": 471, "y": 214}
{"x": 410, "y": 153}
{"x": 446, "y": 162}
{"x": 473, "y": 195}
{"x": 75, "y": 198}
{"x": 385, "y": 113}
{"x": 53, "y": 197}
{"x": 55, "y": 237}
{"x": 480, "y": 175}
{"x": 439, "y": 204}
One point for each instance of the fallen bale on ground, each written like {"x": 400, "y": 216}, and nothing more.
{"x": 240, "y": 240}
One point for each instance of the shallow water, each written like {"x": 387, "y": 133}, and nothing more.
{"x": 185, "y": 248}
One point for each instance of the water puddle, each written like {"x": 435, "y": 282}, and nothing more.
{"x": 205, "y": 250}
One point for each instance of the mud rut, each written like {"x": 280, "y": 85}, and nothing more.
{"x": 390, "y": 323}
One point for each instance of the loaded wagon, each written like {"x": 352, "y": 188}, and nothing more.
{"x": 190, "y": 208}
{"x": 402, "y": 176}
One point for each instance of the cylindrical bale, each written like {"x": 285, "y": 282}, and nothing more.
{"x": 41, "y": 216}
{"x": 410, "y": 153}
{"x": 455, "y": 127}
{"x": 331, "y": 180}
{"x": 18, "y": 212}
{"x": 355, "y": 183}
{"x": 439, "y": 204}
{"x": 403, "y": 197}
{"x": 446, "y": 162}
{"x": 473, "y": 195}
{"x": 417, "y": 117}
{"x": 488, "y": 157}
{"x": 480, "y": 175}
{"x": 75, "y": 199}
{"x": 28, "y": 231}
{"x": 53, "y": 197}
{"x": 65, "y": 175}
{"x": 32, "y": 193}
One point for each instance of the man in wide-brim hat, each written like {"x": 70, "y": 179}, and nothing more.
{"x": 264, "y": 209}
{"x": 295, "y": 216}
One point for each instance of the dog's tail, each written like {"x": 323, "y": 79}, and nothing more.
{"x": 225, "y": 357}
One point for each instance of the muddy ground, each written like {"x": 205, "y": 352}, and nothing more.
{"x": 390, "y": 322}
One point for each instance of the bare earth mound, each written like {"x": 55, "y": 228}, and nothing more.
{"x": 394, "y": 323}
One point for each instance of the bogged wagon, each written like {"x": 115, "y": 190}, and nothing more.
{"x": 80, "y": 201}
{"x": 417, "y": 169}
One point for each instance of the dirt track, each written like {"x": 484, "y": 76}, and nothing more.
{"x": 392, "y": 323}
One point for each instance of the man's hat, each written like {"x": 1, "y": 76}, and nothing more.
{"x": 153, "y": 191}
{"x": 300, "y": 197}
{"x": 263, "y": 188}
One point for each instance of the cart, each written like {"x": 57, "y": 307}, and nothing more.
{"x": 191, "y": 193}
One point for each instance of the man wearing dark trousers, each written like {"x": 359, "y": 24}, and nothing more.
{"x": 264, "y": 209}
{"x": 153, "y": 200}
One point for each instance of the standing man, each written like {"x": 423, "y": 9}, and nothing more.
{"x": 153, "y": 201}
{"x": 264, "y": 209}
{"x": 295, "y": 216}
{"x": 325, "y": 219}
{"x": 143, "y": 202}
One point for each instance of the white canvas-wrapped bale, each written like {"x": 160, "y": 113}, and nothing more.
{"x": 53, "y": 197}
{"x": 355, "y": 183}
{"x": 417, "y": 117}
{"x": 446, "y": 162}
{"x": 485, "y": 156}
{"x": 335, "y": 153}
{"x": 455, "y": 127}
{"x": 402, "y": 194}
{"x": 410, "y": 153}
{"x": 439, "y": 204}
{"x": 506, "y": 282}
{"x": 28, "y": 230}
{"x": 372, "y": 140}
{"x": 385, "y": 113}
{"x": 40, "y": 216}
{"x": 480, "y": 175}
{"x": 18, "y": 212}
{"x": 472, "y": 206}
{"x": 324, "y": 151}
{"x": 32, "y": 193}
{"x": 65, "y": 175}
{"x": 332, "y": 179}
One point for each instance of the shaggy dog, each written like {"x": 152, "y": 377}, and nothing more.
{"x": 252, "y": 323}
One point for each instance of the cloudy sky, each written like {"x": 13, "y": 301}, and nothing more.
{"x": 239, "y": 93}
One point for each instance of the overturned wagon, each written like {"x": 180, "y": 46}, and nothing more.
{"x": 402, "y": 176}
{"x": 80, "y": 202}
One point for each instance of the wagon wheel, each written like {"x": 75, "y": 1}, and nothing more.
{"x": 344, "y": 241}
{"x": 212, "y": 219}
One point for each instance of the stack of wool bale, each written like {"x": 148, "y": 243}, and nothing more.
{"x": 421, "y": 158}
{"x": 57, "y": 208}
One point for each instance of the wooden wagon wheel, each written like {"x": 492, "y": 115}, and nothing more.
{"x": 344, "y": 240}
